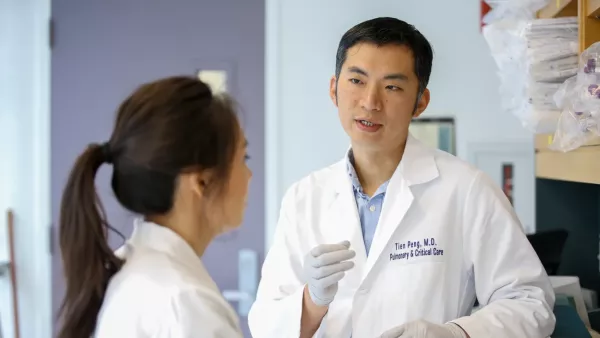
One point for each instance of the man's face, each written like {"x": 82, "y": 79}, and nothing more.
{"x": 377, "y": 92}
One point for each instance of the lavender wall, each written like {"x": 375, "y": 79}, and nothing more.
{"x": 104, "y": 49}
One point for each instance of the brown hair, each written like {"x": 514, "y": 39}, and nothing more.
{"x": 164, "y": 128}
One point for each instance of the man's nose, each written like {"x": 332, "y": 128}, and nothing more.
{"x": 372, "y": 99}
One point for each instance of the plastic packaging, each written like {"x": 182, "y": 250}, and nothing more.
{"x": 579, "y": 100}
{"x": 552, "y": 47}
{"x": 534, "y": 57}
{"x": 513, "y": 9}
{"x": 508, "y": 49}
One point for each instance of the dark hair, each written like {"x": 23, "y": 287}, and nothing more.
{"x": 385, "y": 31}
{"x": 164, "y": 128}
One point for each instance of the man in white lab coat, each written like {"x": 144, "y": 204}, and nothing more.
{"x": 397, "y": 239}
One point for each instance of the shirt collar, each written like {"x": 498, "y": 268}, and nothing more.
{"x": 418, "y": 166}
{"x": 352, "y": 172}
{"x": 354, "y": 177}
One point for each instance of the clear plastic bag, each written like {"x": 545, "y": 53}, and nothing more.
{"x": 579, "y": 99}
{"x": 513, "y": 9}
{"x": 572, "y": 131}
{"x": 534, "y": 56}
{"x": 541, "y": 95}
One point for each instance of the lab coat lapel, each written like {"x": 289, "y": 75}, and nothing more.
{"x": 346, "y": 220}
{"x": 417, "y": 166}
{"x": 398, "y": 200}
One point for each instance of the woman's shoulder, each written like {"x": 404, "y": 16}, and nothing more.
{"x": 159, "y": 293}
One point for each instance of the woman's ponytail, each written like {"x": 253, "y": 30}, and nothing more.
{"x": 88, "y": 260}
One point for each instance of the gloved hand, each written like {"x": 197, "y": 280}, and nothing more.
{"x": 424, "y": 329}
{"x": 324, "y": 266}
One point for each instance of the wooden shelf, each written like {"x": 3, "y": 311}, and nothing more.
{"x": 580, "y": 165}
{"x": 588, "y": 12}
{"x": 583, "y": 164}
{"x": 593, "y": 8}
{"x": 589, "y": 24}
{"x": 543, "y": 141}
{"x": 559, "y": 8}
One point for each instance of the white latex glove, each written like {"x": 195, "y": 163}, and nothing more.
{"x": 324, "y": 266}
{"x": 424, "y": 329}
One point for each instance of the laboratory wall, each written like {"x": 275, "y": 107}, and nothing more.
{"x": 104, "y": 49}
{"x": 24, "y": 164}
{"x": 303, "y": 132}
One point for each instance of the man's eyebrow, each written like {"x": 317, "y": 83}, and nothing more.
{"x": 393, "y": 76}
{"x": 357, "y": 70}
{"x": 396, "y": 76}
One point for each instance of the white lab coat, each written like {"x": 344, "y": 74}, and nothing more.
{"x": 163, "y": 291}
{"x": 432, "y": 196}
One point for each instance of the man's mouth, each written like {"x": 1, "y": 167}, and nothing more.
{"x": 367, "y": 126}
{"x": 366, "y": 123}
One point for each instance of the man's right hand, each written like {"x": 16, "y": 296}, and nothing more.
{"x": 325, "y": 265}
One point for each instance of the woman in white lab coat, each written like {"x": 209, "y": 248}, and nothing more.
{"x": 178, "y": 156}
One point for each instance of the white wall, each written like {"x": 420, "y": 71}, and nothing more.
{"x": 303, "y": 132}
{"x": 24, "y": 161}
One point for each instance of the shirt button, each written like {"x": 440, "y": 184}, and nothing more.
{"x": 372, "y": 208}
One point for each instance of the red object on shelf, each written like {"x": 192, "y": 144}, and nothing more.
{"x": 507, "y": 181}
{"x": 485, "y": 8}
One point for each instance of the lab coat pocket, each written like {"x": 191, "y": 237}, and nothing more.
{"x": 416, "y": 291}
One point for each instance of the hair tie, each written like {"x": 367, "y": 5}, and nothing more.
{"x": 106, "y": 152}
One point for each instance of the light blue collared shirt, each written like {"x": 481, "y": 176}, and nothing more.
{"x": 369, "y": 208}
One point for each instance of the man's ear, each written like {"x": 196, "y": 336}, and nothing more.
{"x": 333, "y": 90}
{"x": 422, "y": 102}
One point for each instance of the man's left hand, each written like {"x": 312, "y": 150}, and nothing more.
{"x": 424, "y": 329}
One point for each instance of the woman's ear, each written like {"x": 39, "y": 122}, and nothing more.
{"x": 199, "y": 182}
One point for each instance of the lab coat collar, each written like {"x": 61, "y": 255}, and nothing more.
{"x": 416, "y": 167}
{"x": 157, "y": 237}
